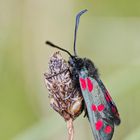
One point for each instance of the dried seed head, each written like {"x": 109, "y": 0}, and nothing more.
{"x": 57, "y": 64}
{"x": 64, "y": 98}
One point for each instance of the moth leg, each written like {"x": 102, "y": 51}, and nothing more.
{"x": 85, "y": 111}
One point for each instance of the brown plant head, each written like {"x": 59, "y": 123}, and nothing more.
{"x": 64, "y": 98}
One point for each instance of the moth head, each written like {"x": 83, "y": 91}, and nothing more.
{"x": 76, "y": 62}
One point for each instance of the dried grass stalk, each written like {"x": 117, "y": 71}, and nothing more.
{"x": 70, "y": 128}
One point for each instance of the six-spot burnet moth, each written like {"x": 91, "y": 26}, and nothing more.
{"x": 100, "y": 108}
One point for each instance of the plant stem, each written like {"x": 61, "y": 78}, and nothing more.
{"x": 70, "y": 129}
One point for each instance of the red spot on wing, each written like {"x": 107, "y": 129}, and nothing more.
{"x": 83, "y": 83}
{"x": 99, "y": 124}
{"x": 113, "y": 109}
{"x": 93, "y": 107}
{"x": 108, "y": 129}
{"x": 107, "y": 99}
{"x": 107, "y": 96}
{"x": 101, "y": 107}
{"x": 89, "y": 84}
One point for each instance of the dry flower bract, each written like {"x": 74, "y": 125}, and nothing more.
{"x": 64, "y": 98}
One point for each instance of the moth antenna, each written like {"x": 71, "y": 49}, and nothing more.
{"x": 76, "y": 28}
{"x": 55, "y": 46}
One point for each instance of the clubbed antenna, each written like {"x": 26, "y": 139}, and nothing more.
{"x": 76, "y": 28}
{"x": 52, "y": 45}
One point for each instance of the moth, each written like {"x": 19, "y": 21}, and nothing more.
{"x": 100, "y": 108}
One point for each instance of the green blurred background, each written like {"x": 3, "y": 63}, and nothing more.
{"x": 109, "y": 34}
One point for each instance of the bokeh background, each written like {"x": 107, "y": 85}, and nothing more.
{"x": 109, "y": 34}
